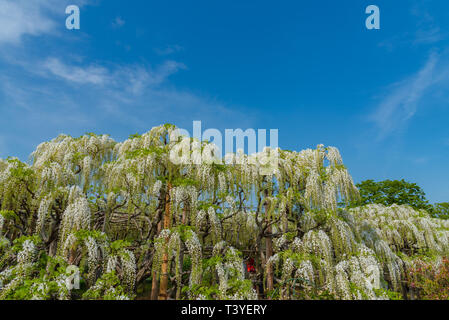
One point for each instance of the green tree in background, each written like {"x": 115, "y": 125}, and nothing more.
{"x": 399, "y": 192}
{"x": 390, "y": 192}
{"x": 441, "y": 210}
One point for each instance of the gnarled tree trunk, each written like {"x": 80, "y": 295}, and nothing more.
{"x": 155, "y": 280}
{"x": 164, "y": 267}
{"x": 268, "y": 254}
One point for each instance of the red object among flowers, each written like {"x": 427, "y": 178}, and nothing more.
{"x": 250, "y": 265}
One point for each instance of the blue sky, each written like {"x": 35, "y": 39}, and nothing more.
{"x": 308, "y": 68}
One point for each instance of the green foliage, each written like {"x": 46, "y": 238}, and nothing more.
{"x": 388, "y": 293}
{"x": 357, "y": 291}
{"x": 18, "y": 243}
{"x": 108, "y": 287}
{"x": 205, "y": 205}
{"x": 236, "y": 285}
{"x": 441, "y": 210}
{"x": 389, "y": 192}
{"x": 209, "y": 292}
{"x": 135, "y": 136}
{"x": 158, "y": 151}
{"x": 118, "y": 245}
{"x": 182, "y": 181}
{"x": 43, "y": 280}
{"x": 212, "y": 262}
{"x": 184, "y": 232}
{"x": 20, "y": 171}
{"x": 10, "y": 215}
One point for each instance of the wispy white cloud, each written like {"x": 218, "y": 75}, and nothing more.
{"x": 23, "y": 17}
{"x": 428, "y": 30}
{"x": 424, "y": 31}
{"x": 168, "y": 50}
{"x": 87, "y": 75}
{"x": 20, "y": 18}
{"x": 97, "y": 98}
{"x": 428, "y": 35}
{"x": 130, "y": 78}
{"x": 402, "y": 103}
{"x": 118, "y": 22}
